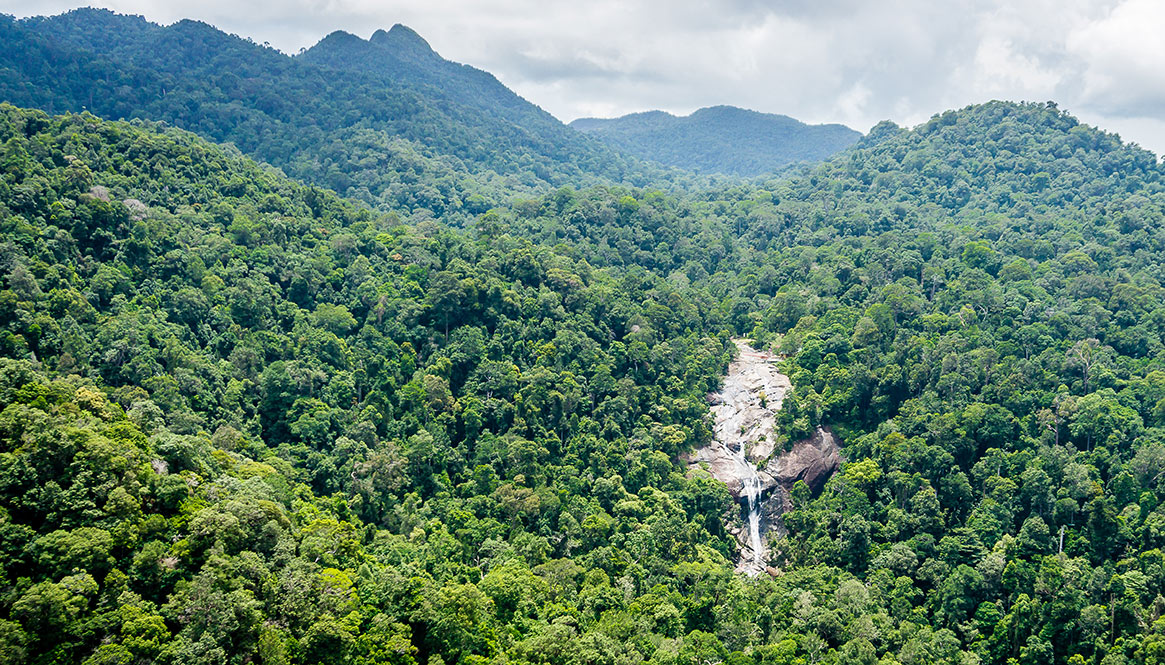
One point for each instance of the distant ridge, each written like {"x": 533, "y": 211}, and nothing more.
{"x": 720, "y": 139}
{"x": 385, "y": 120}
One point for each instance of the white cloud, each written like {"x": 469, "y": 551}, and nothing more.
{"x": 999, "y": 70}
{"x": 1123, "y": 59}
{"x": 850, "y": 61}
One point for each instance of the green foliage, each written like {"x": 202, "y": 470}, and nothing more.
{"x": 242, "y": 418}
{"x": 386, "y": 121}
{"x": 969, "y": 295}
{"x": 323, "y": 436}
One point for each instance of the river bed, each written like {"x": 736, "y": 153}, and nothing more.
{"x": 741, "y": 454}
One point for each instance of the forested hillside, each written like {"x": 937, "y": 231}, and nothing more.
{"x": 385, "y": 121}
{"x": 243, "y": 419}
{"x": 979, "y": 302}
{"x": 720, "y": 139}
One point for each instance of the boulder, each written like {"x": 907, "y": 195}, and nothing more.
{"x": 812, "y": 460}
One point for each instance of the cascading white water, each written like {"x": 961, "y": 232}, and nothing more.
{"x": 753, "y": 390}
{"x": 751, "y": 488}
{"x": 745, "y": 416}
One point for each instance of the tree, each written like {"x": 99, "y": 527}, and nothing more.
{"x": 461, "y": 620}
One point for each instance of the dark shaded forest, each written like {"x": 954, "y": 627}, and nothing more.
{"x": 720, "y": 139}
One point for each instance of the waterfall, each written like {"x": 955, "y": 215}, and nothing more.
{"x": 744, "y": 411}
{"x": 751, "y": 491}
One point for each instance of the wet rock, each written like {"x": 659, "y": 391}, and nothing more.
{"x": 744, "y": 411}
{"x": 719, "y": 461}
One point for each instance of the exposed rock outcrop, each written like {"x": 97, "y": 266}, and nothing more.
{"x": 811, "y": 460}
{"x": 745, "y": 411}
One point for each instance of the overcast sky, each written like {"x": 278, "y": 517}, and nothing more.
{"x": 849, "y": 61}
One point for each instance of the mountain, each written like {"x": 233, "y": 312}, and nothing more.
{"x": 402, "y": 56}
{"x": 246, "y": 420}
{"x": 242, "y": 419}
{"x": 974, "y": 306}
{"x": 720, "y": 139}
{"x": 385, "y": 120}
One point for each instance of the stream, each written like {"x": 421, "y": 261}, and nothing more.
{"x": 744, "y": 412}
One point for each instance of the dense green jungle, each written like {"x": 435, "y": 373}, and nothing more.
{"x": 247, "y": 419}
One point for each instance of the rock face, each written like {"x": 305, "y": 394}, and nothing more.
{"x": 744, "y": 411}
{"x": 812, "y": 460}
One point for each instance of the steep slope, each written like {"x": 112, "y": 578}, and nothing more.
{"x": 422, "y": 134}
{"x": 977, "y": 302}
{"x": 401, "y": 55}
{"x": 243, "y": 419}
{"x": 720, "y": 139}
{"x": 994, "y": 167}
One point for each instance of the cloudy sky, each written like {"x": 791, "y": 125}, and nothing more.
{"x": 849, "y": 61}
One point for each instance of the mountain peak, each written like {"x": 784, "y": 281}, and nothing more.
{"x": 340, "y": 38}
{"x": 85, "y": 25}
{"x": 402, "y": 39}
